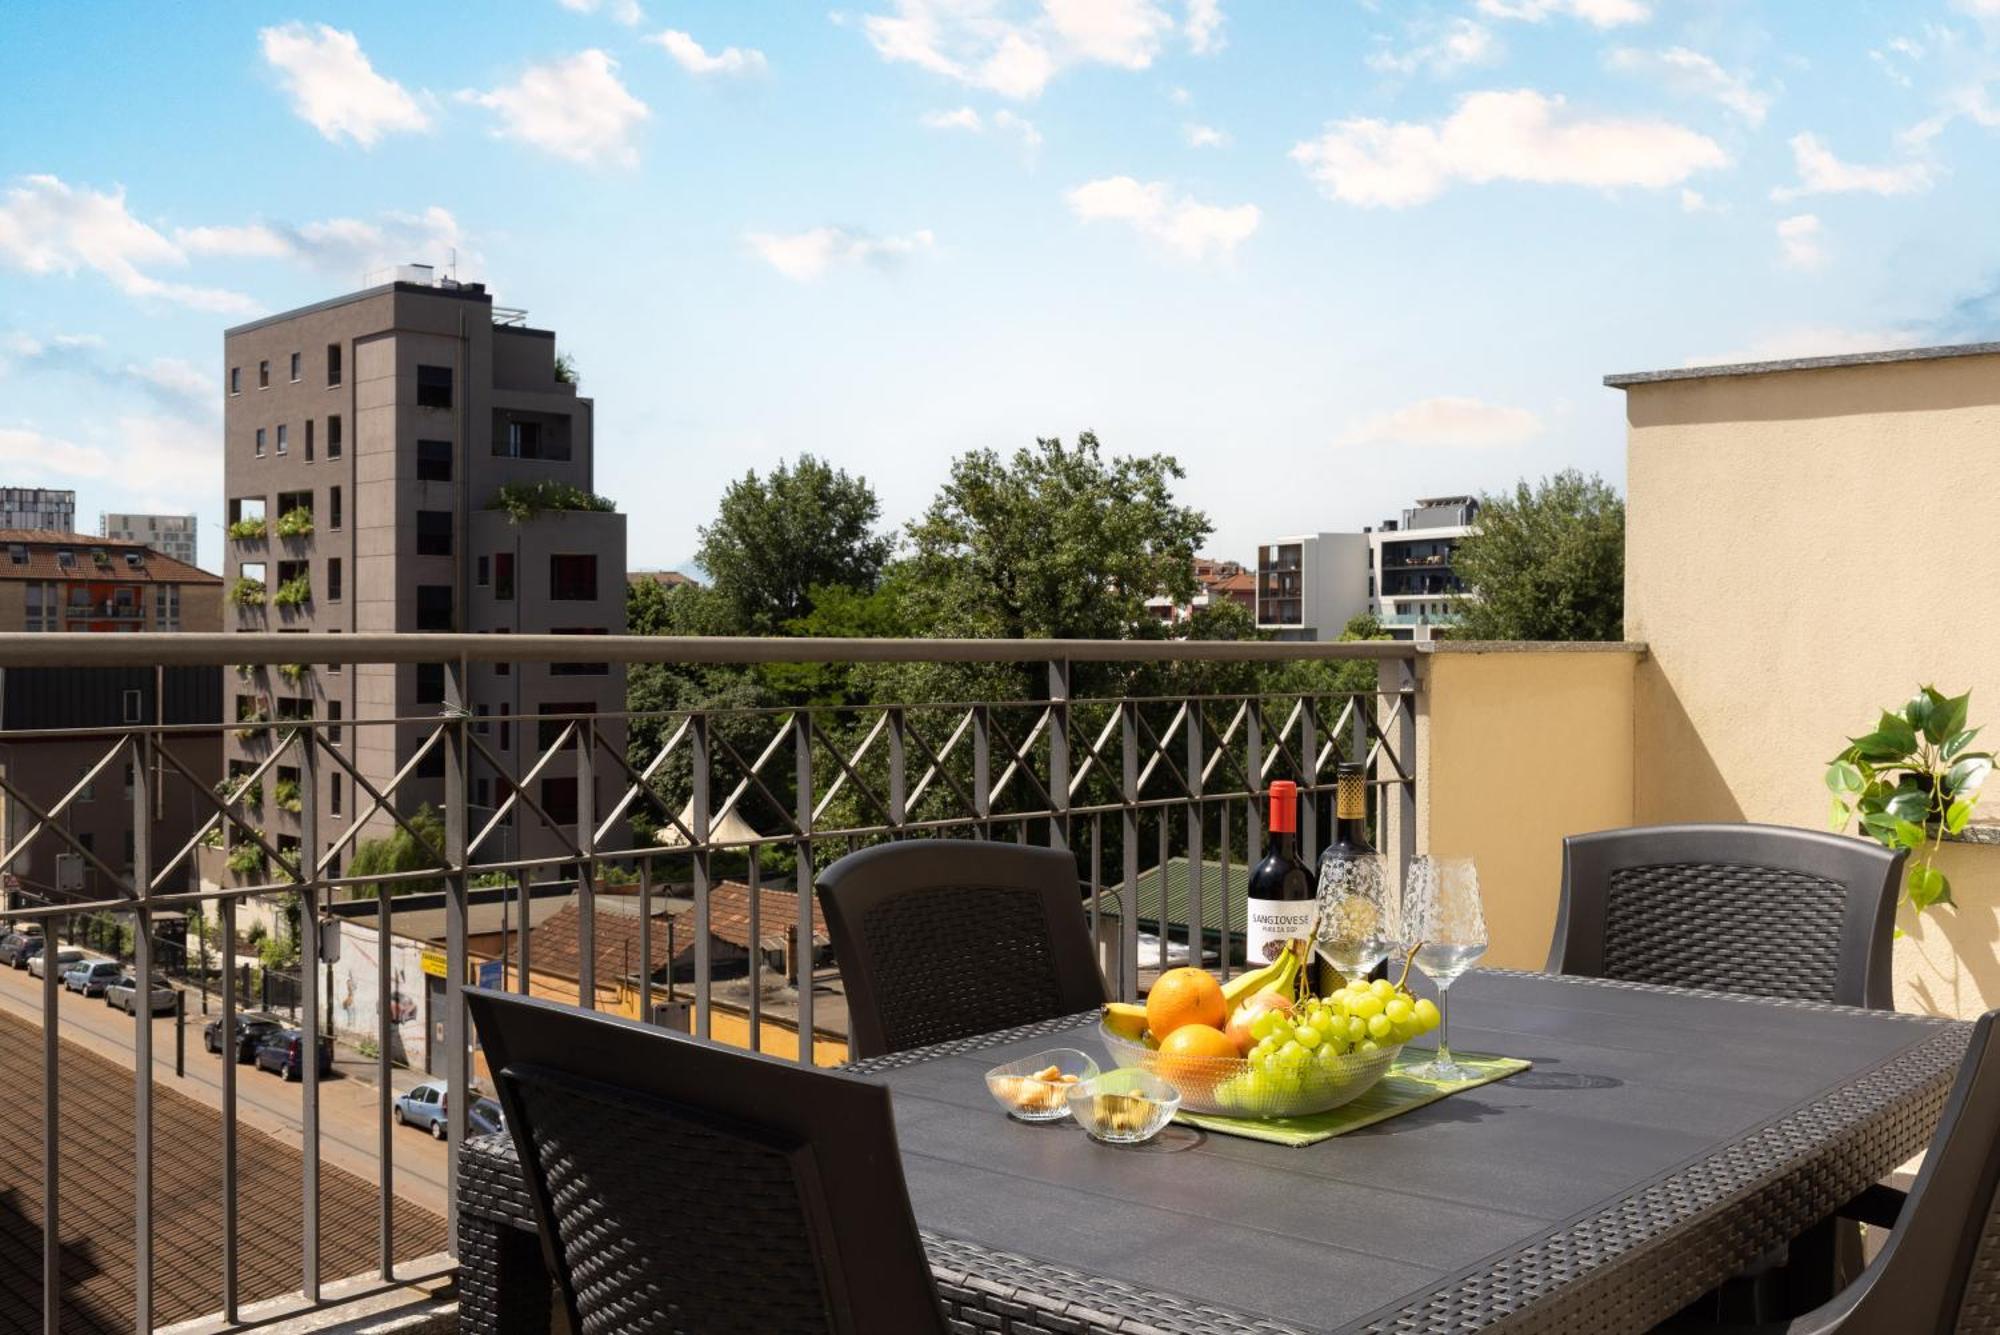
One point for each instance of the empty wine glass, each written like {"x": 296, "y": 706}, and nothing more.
{"x": 1448, "y": 925}
{"x": 1357, "y": 914}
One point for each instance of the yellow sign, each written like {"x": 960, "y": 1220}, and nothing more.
{"x": 434, "y": 963}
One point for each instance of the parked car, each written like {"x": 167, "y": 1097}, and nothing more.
{"x": 428, "y": 1107}
{"x": 280, "y": 1052}
{"x": 252, "y": 1028}
{"x": 483, "y": 1118}
{"x": 92, "y": 976}
{"x": 66, "y": 957}
{"x": 124, "y": 995}
{"x": 14, "y": 946}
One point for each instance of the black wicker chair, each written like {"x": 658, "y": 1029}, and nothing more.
{"x": 1760, "y": 909}
{"x": 684, "y": 1187}
{"x": 939, "y": 939}
{"x": 1939, "y": 1273}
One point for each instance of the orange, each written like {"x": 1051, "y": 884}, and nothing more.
{"x": 1183, "y": 1054}
{"x": 1184, "y": 997}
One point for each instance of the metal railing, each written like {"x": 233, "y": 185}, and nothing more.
{"x": 1129, "y": 782}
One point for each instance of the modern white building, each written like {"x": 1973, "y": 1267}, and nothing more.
{"x": 1311, "y": 585}
{"x": 172, "y": 534}
{"x": 1411, "y": 584}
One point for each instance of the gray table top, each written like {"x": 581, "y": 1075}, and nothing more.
{"x": 1628, "y": 1085}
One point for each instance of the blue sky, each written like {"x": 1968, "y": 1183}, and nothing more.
{"x": 1331, "y": 255}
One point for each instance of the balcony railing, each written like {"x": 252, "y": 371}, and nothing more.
{"x": 1131, "y": 783}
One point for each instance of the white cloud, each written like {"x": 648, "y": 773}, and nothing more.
{"x": 574, "y": 108}
{"x": 690, "y": 56}
{"x": 1204, "y": 136}
{"x": 170, "y": 457}
{"x": 1597, "y": 13}
{"x": 1460, "y": 44}
{"x": 1810, "y": 341}
{"x": 1180, "y": 97}
{"x": 626, "y": 12}
{"x": 1695, "y": 75}
{"x": 1500, "y": 136}
{"x": 1183, "y": 226}
{"x": 1821, "y": 173}
{"x": 1801, "y": 242}
{"x": 1030, "y": 137}
{"x": 1203, "y": 27}
{"x": 335, "y": 89}
{"x": 175, "y": 379}
{"x": 50, "y": 227}
{"x": 960, "y": 118}
{"x": 969, "y": 119}
{"x": 1014, "y": 49}
{"x": 805, "y": 256}
{"x": 348, "y": 247}
{"x": 1447, "y": 420}
{"x": 1693, "y": 201}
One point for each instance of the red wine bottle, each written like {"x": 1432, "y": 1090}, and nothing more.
{"x": 1281, "y": 891}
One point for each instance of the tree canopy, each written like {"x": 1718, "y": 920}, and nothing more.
{"x": 397, "y": 851}
{"x": 1547, "y": 563}
{"x": 776, "y": 538}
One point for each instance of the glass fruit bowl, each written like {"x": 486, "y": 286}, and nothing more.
{"x": 1127, "y": 1106}
{"x": 1036, "y": 1089}
{"x": 1233, "y": 1087}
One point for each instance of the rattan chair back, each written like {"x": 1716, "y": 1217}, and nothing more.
{"x": 939, "y": 939}
{"x": 680, "y": 1186}
{"x": 1764, "y": 910}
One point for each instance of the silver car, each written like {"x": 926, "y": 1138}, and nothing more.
{"x": 92, "y": 976}
{"x": 66, "y": 957}
{"x": 124, "y": 995}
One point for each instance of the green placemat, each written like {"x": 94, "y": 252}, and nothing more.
{"x": 1395, "y": 1093}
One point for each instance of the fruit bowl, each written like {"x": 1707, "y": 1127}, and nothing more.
{"x": 1229, "y": 1086}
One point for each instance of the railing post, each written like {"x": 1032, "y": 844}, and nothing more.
{"x": 51, "y": 1146}
{"x": 586, "y": 864}
{"x": 1197, "y": 923}
{"x": 458, "y": 1060}
{"x": 1059, "y": 707}
{"x": 229, "y": 1313}
{"x": 526, "y": 972}
{"x": 982, "y": 768}
{"x": 646, "y": 941}
{"x": 1128, "y": 922}
{"x": 899, "y": 770}
{"x": 142, "y": 1044}
{"x": 698, "y": 754}
{"x": 1408, "y": 685}
{"x": 1253, "y": 762}
{"x": 385, "y": 1094}
{"x": 1308, "y": 782}
{"x": 307, "y": 876}
{"x": 803, "y": 949}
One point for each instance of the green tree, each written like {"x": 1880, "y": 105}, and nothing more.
{"x": 774, "y": 539}
{"x": 1548, "y": 562}
{"x": 1055, "y": 542}
{"x": 398, "y": 852}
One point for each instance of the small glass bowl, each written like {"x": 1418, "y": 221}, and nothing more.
{"x": 1028, "y": 1091}
{"x": 1127, "y": 1106}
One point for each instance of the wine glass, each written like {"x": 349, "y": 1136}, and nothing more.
{"x": 1448, "y": 925}
{"x": 1357, "y": 914}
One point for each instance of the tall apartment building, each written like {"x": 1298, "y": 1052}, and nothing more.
{"x": 1310, "y": 586}
{"x": 1411, "y": 580}
{"x": 75, "y": 582}
{"x": 48, "y": 508}
{"x": 367, "y": 439}
{"x": 172, "y": 534}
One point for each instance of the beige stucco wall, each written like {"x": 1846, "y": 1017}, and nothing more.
{"x": 1518, "y": 746}
{"x": 1804, "y": 549}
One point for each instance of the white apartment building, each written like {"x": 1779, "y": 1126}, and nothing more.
{"x": 1311, "y": 585}
{"x": 173, "y": 535}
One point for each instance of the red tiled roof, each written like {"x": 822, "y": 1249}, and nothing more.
{"x": 42, "y": 545}
{"x": 554, "y": 948}
{"x": 729, "y": 916}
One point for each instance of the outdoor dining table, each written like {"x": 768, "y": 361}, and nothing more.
{"x": 1663, "y": 1140}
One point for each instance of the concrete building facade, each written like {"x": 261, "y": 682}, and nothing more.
{"x": 368, "y": 443}
{"x": 50, "y": 508}
{"x": 172, "y": 534}
{"x": 53, "y": 581}
{"x": 1411, "y": 583}
{"x": 1311, "y": 585}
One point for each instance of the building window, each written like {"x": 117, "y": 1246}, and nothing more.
{"x": 579, "y": 669}
{"x": 333, "y": 579}
{"x": 547, "y": 729}
{"x": 282, "y": 437}
{"x": 573, "y": 579}
{"x": 482, "y": 727}
{"x": 523, "y": 440}
{"x": 17, "y": 552}
{"x": 433, "y": 461}
{"x": 434, "y": 607}
{"x": 433, "y": 533}
{"x": 295, "y": 368}
{"x": 333, "y": 437}
{"x": 309, "y": 440}
{"x": 434, "y": 387}
{"x": 235, "y": 380}
{"x": 430, "y": 683}
{"x": 263, "y": 375}
{"x": 506, "y": 734}
{"x": 332, "y": 364}
{"x": 333, "y": 507}
{"x": 503, "y": 577}
{"x": 166, "y": 607}
{"x": 559, "y": 799}
{"x": 333, "y": 723}
{"x": 260, "y": 442}
{"x": 132, "y": 706}
{"x": 333, "y": 795}
{"x": 480, "y": 572}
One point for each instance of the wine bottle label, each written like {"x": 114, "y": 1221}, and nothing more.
{"x": 1270, "y": 923}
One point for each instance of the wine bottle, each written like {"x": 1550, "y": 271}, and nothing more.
{"x": 1350, "y": 844}
{"x": 1281, "y": 890}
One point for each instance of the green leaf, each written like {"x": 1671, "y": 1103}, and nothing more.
{"x": 1918, "y": 712}
{"x": 1836, "y": 816}
{"x": 1946, "y": 717}
{"x": 1966, "y": 776}
{"x": 1957, "y": 742}
{"x": 1885, "y": 744}
{"x": 1926, "y": 885}
{"x": 1909, "y": 805}
{"x": 1898, "y": 727}
{"x": 1843, "y": 777}
{"x": 1881, "y": 826}
{"x": 1956, "y": 816}
{"x": 1909, "y": 834}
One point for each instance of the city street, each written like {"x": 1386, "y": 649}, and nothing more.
{"x": 349, "y": 1112}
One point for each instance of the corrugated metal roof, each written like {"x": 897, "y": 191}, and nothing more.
{"x": 1180, "y": 895}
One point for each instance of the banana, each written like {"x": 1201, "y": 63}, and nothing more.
{"x": 1246, "y": 985}
{"x": 1126, "y": 1020}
